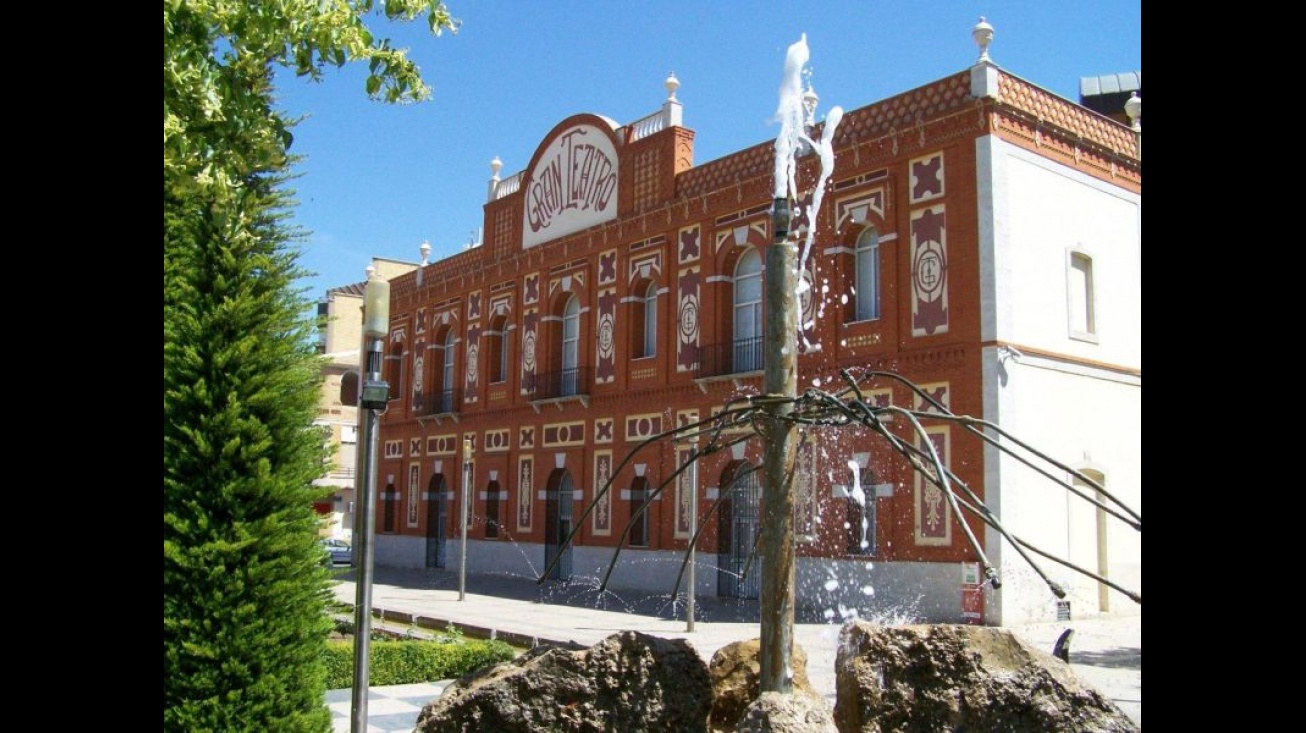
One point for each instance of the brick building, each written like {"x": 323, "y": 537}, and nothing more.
{"x": 340, "y": 337}
{"x": 980, "y": 236}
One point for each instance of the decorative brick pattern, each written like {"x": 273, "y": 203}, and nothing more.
{"x": 929, "y": 272}
{"x": 497, "y": 441}
{"x": 932, "y": 515}
{"x": 564, "y": 434}
{"x": 602, "y": 514}
{"x": 525, "y": 491}
{"x": 606, "y": 327}
{"x": 442, "y": 445}
{"x": 642, "y": 427}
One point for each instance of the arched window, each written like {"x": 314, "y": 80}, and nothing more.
{"x": 868, "y": 275}
{"x": 492, "y": 510}
{"x": 570, "y": 346}
{"x": 638, "y": 495}
{"x": 748, "y": 312}
{"x": 447, "y": 379}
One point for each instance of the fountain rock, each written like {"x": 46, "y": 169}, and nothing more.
{"x": 736, "y": 671}
{"x": 629, "y": 682}
{"x": 776, "y": 712}
{"x": 978, "y": 679}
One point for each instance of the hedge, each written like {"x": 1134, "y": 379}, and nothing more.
{"x": 414, "y": 660}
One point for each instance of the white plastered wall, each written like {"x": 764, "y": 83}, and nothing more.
{"x": 1081, "y": 402}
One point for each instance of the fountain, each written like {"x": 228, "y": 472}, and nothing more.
{"x": 774, "y": 415}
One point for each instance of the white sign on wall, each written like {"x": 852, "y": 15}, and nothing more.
{"x": 572, "y": 187}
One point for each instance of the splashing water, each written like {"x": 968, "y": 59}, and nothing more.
{"x": 793, "y": 136}
{"x": 858, "y": 495}
{"x": 791, "y": 117}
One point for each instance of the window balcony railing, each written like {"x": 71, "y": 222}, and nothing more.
{"x": 563, "y": 383}
{"x": 733, "y": 357}
{"x": 443, "y": 402}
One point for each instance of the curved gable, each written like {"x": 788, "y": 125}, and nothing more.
{"x": 572, "y": 181}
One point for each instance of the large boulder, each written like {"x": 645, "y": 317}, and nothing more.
{"x": 629, "y": 682}
{"x": 901, "y": 679}
{"x": 736, "y": 673}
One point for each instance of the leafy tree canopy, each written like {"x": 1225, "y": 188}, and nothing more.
{"x": 216, "y": 60}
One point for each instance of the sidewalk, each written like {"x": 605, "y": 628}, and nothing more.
{"x": 1104, "y": 652}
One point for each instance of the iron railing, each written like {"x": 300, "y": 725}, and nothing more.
{"x": 443, "y": 402}
{"x": 563, "y": 383}
{"x": 733, "y": 357}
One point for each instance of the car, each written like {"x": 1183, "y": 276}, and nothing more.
{"x": 340, "y": 552}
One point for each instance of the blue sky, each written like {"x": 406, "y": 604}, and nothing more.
{"x": 378, "y": 179}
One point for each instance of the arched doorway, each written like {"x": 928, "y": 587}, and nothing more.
{"x": 557, "y": 523}
{"x": 737, "y": 526}
{"x": 437, "y": 521}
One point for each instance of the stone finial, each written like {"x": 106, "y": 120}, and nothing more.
{"x": 983, "y": 35}
{"x": 672, "y": 84}
{"x": 492, "y": 188}
{"x": 1134, "y": 110}
{"x": 425, "y": 249}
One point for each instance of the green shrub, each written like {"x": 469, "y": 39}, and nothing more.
{"x": 414, "y": 660}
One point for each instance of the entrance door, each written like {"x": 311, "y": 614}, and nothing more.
{"x": 557, "y": 523}
{"x": 437, "y": 521}
{"x": 739, "y": 527}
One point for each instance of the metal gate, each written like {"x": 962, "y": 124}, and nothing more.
{"x": 739, "y": 536}
{"x": 557, "y": 523}
{"x": 437, "y": 521}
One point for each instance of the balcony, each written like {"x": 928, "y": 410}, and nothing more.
{"x": 741, "y": 356}
{"x": 438, "y": 404}
{"x": 732, "y": 360}
{"x": 561, "y": 386}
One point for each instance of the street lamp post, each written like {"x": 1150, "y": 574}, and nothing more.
{"x": 467, "y": 491}
{"x": 372, "y": 400}
{"x": 693, "y": 532}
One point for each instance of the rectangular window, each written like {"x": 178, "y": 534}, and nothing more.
{"x": 639, "y": 529}
{"x": 503, "y": 357}
{"x": 868, "y": 276}
{"x": 1080, "y": 297}
{"x": 391, "y": 497}
{"x": 650, "y": 322}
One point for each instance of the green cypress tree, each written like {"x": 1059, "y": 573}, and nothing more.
{"x": 245, "y": 590}
{"x": 244, "y": 587}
